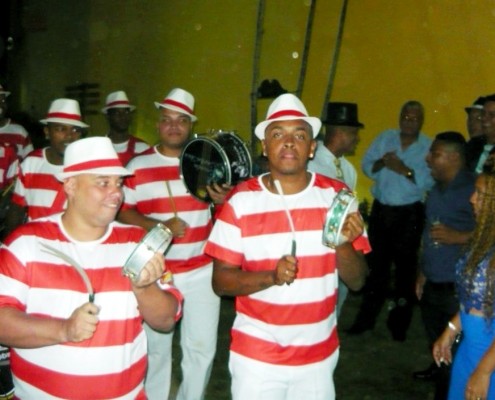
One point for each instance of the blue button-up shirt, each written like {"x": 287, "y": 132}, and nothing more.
{"x": 391, "y": 188}
{"x": 449, "y": 206}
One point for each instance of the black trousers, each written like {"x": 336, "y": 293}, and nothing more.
{"x": 395, "y": 235}
{"x": 439, "y": 304}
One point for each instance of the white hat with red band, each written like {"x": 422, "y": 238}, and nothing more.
{"x": 92, "y": 155}
{"x": 117, "y": 100}
{"x": 287, "y": 107}
{"x": 179, "y": 100}
{"x": 64, "y": 111}
{"x": 3, "y": 91}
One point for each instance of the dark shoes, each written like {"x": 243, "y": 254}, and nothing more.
{"x": 399, "y": 318}
{"x": 429, "y": 374}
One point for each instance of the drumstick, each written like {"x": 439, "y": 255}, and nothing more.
{"x": 172, "y": 202}
{"x": 278, "y": 186}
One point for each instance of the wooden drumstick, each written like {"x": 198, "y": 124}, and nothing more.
{"x": 172, "y": 202}
{"x": 280, "y": 191}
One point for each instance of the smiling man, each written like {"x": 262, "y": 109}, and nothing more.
{"x": 65, "y": 343}
{"x": 284, "y": 339}
{"x": 37, "y": 192}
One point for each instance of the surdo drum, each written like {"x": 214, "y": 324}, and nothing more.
{"x": 344, "y": 203}
{"x": 216, "y": 157}
{"x": 156, "y": 240}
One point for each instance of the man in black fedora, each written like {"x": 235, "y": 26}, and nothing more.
{"x": 341, "y": 137}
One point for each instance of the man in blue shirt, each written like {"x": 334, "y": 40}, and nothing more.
{"x": 396, "y": 162}
{"x": 449, "y": 223}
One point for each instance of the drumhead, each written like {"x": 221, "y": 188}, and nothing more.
{"x": 214, "y": 158}
{"x": 344, "y": 203}
{"x": 156, "y": 240}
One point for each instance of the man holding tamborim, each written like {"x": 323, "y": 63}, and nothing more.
{"x": 64, "y": 343}
{"x": 268, "y": 251}
{"x": 157, "y": 194}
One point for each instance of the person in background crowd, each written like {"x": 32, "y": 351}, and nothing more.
{"x": 449, "y": 223}
{"x": 118, "y": 111}
{"x": 72, "y": 320}
{"x": 396, "y": 161}
{"x": 478, "y": 148}
{"x": 341, "y": 137}
{"x": 268, "y": 251}
{"x": 37, "y": 191}
{"x": 12, "y": 134}
{"x": 472, "y": 374}
{"x": 155, "y": 193}
{"x": 474, "y": 122}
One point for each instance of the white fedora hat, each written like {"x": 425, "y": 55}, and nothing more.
{"x": 287, "y": 107}
{"x": 3, "y": 91}
{"x": 179, "y": 100}
{"x": 64, "y": 111}
{"x": 117, "y": 100}
{"x": 92, "y": 155}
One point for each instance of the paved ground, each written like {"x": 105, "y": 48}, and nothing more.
{"x": 371, "y": 367}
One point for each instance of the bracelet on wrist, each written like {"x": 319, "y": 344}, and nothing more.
{"x": 453, "y": 328}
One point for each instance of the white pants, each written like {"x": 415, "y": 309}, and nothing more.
{"x": 256, "y": 380}
{"x": 198, "y": 337}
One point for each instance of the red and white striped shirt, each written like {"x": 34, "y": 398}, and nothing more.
{"x": 37, "y": 188}
{"x": 15, "y": 135}
{"x": 283, "y": 325}
{"x": 146, "y": 191}
{"x": 112, "y": 364}
{"x": 130, "y": 148}
{"x": 9, "y": 165}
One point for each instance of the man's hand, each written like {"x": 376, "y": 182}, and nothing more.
{"x": 444, "y": 234}
{"x": 218, "y": 192}
{"x": 81, "y": 325}
{"x": 177, "y": 226}
{"x": 353, "y": 226}
{"x": 394, "y": 163}
{"x": 151, "y": 272}
{"x": 286, "y": 270}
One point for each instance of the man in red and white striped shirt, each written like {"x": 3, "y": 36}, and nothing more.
{"x": 37, "y": 192}
{"x": 75, "y": 328}
{"x": 118, "y": 111}
{"x": 268, "y": 251}
{"x": 156, "y": 193}
{"x": 12, "y": 134}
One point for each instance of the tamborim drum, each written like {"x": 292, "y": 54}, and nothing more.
{"x": 156, "y": 240}
{"x": 218, "y": 157}
{"x": 344, "y": 203}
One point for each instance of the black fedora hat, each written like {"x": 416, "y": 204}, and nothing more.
{"x": 342, "y": 114}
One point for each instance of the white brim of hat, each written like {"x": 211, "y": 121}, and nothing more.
{"x": 65, "y": 121}
{"x": 105, "y": 109}
{"x": 313, "y": 121}
{"x": 475, "y": 107}
{"x": 174, "y": 108}
{"x": 104, "y": 171}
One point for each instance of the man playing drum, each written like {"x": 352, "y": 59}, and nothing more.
{"x": 268, "y": 251}
{"x": 157, "y": 194}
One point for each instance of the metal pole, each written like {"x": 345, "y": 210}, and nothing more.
{"x": 335, "y": 59}
{"x": 307, "y": 41}
{"x": 256, "y": 69}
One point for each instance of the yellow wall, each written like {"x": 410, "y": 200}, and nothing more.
{"x": 435, "y": 51}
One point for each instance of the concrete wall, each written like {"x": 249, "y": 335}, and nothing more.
{"x": 436, "y": 51}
